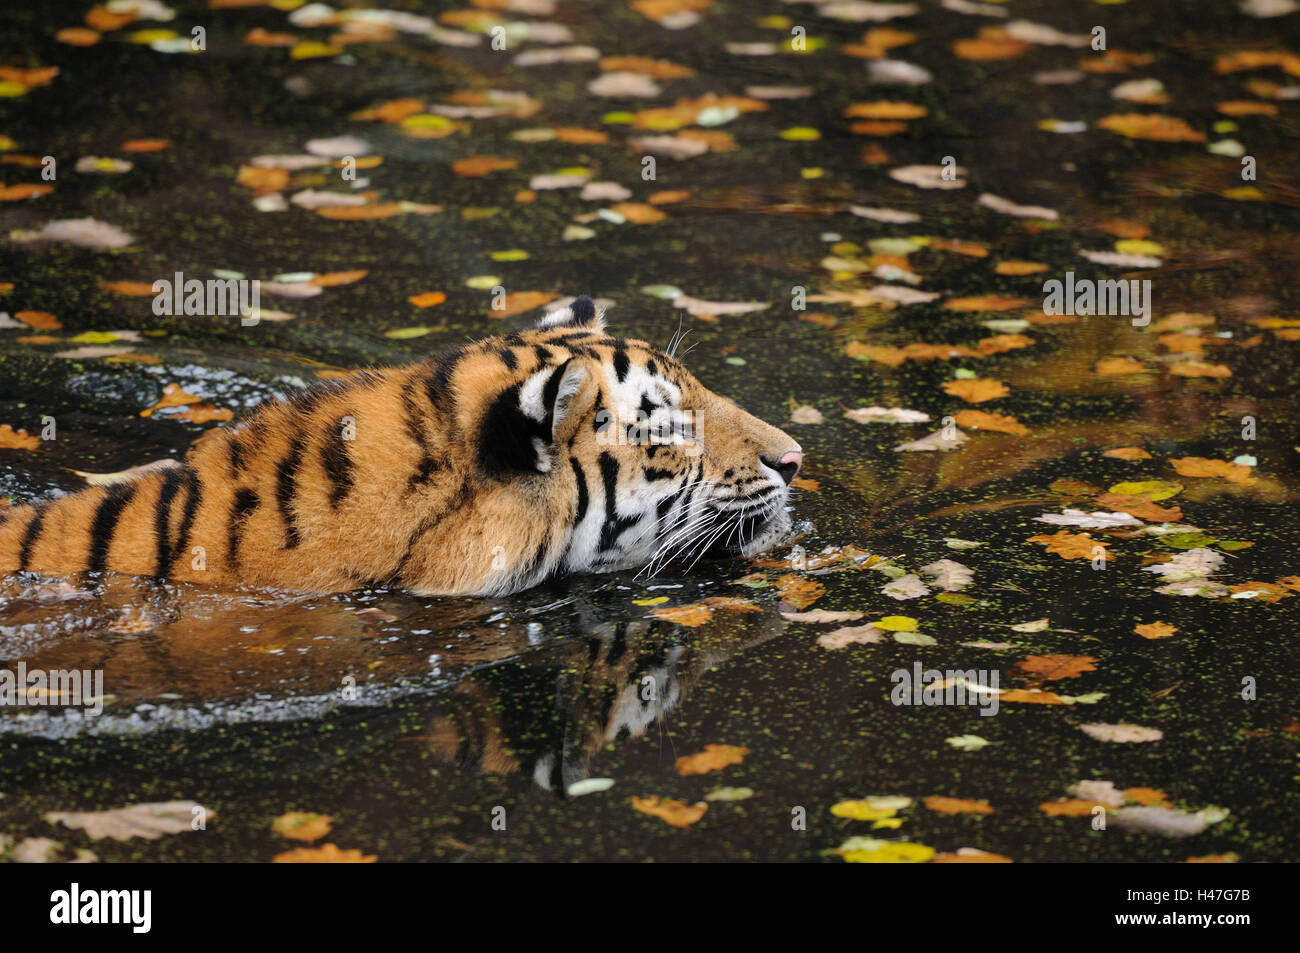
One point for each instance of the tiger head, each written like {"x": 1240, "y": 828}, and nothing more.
{"x": 620, "y": 445}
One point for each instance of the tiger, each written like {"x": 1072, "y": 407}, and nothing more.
{"x": 554, "y": 450}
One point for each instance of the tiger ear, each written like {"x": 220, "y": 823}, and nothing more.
{"x": 580, "y": 314}
{"x": 525, "y": 422}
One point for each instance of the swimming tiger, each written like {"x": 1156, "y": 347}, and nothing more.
{"x": 495, "y": 465}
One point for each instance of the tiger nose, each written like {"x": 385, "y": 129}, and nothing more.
{"x": 788, "y": 466}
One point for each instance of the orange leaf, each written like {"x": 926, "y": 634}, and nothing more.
{"x": 139, "y": 289}
{"x": 798, "y": 591}
{"x": 1118, "y": 366}
{"x": 674, "y": 813}
{"x": 359, "y": 213}
{"x": 476, "y": 166}
{"x": 302, "y": 826}
{"x": 1128, "y": 453}
{"x": 41, "y": 320}
{"x": 332, "y": 279}
{"x": 172, "y": 396}
{"x": 11, "y": 439}
{"x": 77, "y": 36}
{"x": 638, "y": 213}
{"x": 882, "y": 109}
{"x": 24, "y": 190}
{"x": 262, "y": 180}
{"x": 520, "y": 301}
{"x": 659, "y": 69}
{"x": 581, "y": 137}
{"x": 146, "y": 145}
{"x": 985, "y": 303}
{"x": 1246, "y": 107}
{"x": 1069, "y": 545}
{"x": 979, "y": 420}
{"x": 1019, "y": 267}
{"x": 1030, "y": 696}
{"x": 1203, "y": 467}
{"x": 1072, "y": 807}
{"x": 957, "y": 805}
{"x": 992, "y": 43}
{"x": 427, "y": 299}
{"x": 1150, "y": 126}
{"x": 877, "y": 127}
{"x": 324, "y": 854}
{"x": 712, "y": 758}
{"x": 1147, "y": 796}
{"x": 669, "y": 197}
{"x": 1197, "y": 369}
{"x": 690, "y": 616}
{"x": 976, "y": 390}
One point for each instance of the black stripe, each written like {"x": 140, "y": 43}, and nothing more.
{"x": 237, "y": 461}
{"x": 582, "y": 490}
{"x": 652, "y": 368}
{"x": 32, "y": 532}
{"x": 286, "y": 487}
{"x": 162, "y": 520}
{"x": 657, "y": 473}
{"x": 337, "y": 462}
{"x": 508, "y": 358}
{"x": 544, "y": 355}
{"x": 621, "y": 365}
{"x": 614, "y": 525}
{"x": 193, "y": 493}
{"x": 105, "y": 524}
{"x": 245, "y": 502}
{"x": 438, "y": 384}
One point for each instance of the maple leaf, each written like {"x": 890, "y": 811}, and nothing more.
{"x": 1055, "y": 667}
{"x": 691, "y": 615}
{"x": 1203, "y": 467}
{"x": 1155, "y": 630}
{"x": 979, "y": 420}
{"x": 798, "y": 591}
{"x": 1074, "y": 545}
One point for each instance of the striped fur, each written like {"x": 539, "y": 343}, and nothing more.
{"x": 482, "y": 471}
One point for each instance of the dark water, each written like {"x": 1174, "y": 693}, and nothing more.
{"x": 461, "y": 707}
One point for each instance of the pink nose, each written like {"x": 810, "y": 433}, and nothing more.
{"x": 788, "y": 466}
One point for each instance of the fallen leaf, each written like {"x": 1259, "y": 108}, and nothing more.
{"x": 1054, "y": 667}
{"x": 712, "y": 758}
{"x": 302, "y": 826}
{"x": 148, "y": 821}
{"x": 1122, "y": 733}
{"x": 1155, "y": 630}
{"x": 1128, "y": 453}
{"x": 11, "y": 439}
{"x": 671, "y": 812}
{"x": 976, "y": 390}
{"x": 1150, "y": 126}
{"x": 324, "y": 854}
{"x": 956, "y": 805}
{"x": 979, "y": 420}
{"x": 1073, "y": 545}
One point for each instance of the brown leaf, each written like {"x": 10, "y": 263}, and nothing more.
{"x": 141, "y": 289}
{"x": 172, "y": 396}
{"x": 985, "y": 303}
{"x": 358, "y": 213}
{"x": 1199, "y": 369}
{"x": 1055, "y": 667}
{"x": 24, "y": 190}
{"x": 1019, "y": 267}
{"x": 1072, "y": 807}
{"x": 477, "y": 166}
{"x": 638, "y": 213}
{"x": 332, "y": 279}
{"x": 1141, "y": 507}
{"x": 798, "y": 591}
{"x": 1118, "y": 366}
{"x": 1030, "y": 696}
{"x": 957, "y": 805}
